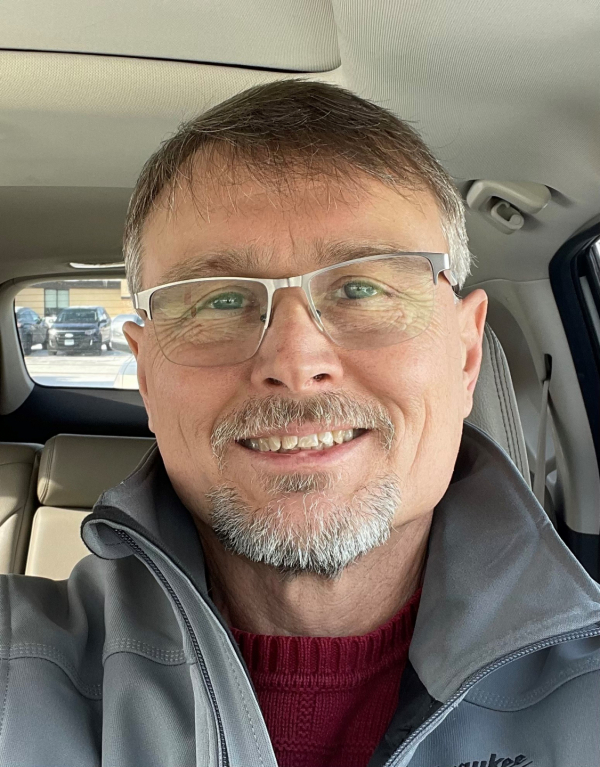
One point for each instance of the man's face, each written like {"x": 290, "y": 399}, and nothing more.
{"x": 417, "y": 391}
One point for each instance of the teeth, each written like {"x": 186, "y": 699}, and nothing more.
{"x": 320, "y": 441}
{"x": 325, "y": 438}
{"x": 311, "y": 440}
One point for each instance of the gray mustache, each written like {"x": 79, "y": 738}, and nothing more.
{"x": 276, "y": 413}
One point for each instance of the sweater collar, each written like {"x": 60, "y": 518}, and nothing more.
{"x": 497, "y": 576}
{"x": 329, "y": 661}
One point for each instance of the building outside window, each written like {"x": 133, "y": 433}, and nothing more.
{"x": 55, "y": 299}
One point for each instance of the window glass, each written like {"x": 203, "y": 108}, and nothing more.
{"x": 74, "y": 314}
{"x": 80, "y": 341}
{"x": 54, "y": 300}
{"x": 590, "y": 285}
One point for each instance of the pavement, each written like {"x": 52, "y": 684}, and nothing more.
{"x": 97, "y": 371}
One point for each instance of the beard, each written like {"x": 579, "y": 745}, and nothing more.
{"x": 328, "y": 536}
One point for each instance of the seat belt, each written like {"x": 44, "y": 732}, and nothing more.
{"x": 539, "y": 477}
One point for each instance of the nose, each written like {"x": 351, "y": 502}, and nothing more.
{"x": 295, "y": 354}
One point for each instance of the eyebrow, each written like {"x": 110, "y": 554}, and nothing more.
{"x": 220, "y": 263}
{"x": 248, "y": 262}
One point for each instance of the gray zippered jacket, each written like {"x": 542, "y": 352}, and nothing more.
{"x": 128, "y": 663}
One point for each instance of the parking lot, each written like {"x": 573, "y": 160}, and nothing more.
{"x": 98, "y": 371}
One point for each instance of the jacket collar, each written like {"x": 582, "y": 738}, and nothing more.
{"x": 146, "y": 503}
{"x": 497, "y": 576}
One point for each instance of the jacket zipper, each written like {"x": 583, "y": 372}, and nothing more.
{"x": 224, "y": 761}
{"x": 394, "y": 760}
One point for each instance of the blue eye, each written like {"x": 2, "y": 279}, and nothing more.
{"x": 359, "y": 290}
{"x": 227, "y": 301}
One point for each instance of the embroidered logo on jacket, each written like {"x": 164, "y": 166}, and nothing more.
{"x": 499, "y": 761}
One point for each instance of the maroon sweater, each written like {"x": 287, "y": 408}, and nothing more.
{"x": 327, "y": 701}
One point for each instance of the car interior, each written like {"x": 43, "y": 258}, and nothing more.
{"x": 505, "y": 95}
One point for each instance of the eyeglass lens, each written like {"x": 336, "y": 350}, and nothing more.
{"x": 367, "y": 304}
{"x": 206, "y": 324}
{"x": 377, "y": 303}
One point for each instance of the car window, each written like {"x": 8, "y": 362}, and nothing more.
{"x": 76, "y": 315}
{"x": 75, "y": 344}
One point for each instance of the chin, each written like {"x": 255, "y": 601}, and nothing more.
{"x": 315, "y": 531}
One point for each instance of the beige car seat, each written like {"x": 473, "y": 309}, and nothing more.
{"x": 74, "y": 472}
{"x": 18, "y": 477}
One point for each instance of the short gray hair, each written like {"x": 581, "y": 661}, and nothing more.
{"x": 293, "y": 129}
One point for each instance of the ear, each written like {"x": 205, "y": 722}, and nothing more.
{"x": 473, "y": 311}
{"x": 135, "y": 338}
{"x": 133, "y": 333}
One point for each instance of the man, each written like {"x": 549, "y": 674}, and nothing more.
{"x": 306, "y": 365}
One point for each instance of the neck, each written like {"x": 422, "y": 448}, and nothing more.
{"x": 258, "y": 599}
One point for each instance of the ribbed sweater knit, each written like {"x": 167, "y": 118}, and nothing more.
{"x": 327, "y": 701}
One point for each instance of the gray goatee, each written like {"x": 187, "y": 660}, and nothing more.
{"x": 329, "y": 535}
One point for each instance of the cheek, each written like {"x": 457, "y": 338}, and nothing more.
{"x": 416, "y": 378}
{"x": 184, "y": 404}
{"x": 420, "y": 381}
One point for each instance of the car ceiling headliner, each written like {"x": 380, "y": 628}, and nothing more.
{"x": 87, "y": 91}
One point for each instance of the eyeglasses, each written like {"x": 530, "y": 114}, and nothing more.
{"x": 366, "y": 303}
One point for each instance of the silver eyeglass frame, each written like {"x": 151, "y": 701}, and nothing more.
{"x": 440, "y": 264}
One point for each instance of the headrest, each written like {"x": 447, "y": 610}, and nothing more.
{"x": 495, "y": 408}
{"x": 18, "y": 452}
{"x": 75, "y": 470}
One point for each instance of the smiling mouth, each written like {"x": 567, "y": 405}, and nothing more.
{"x": 289, "y": 443}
